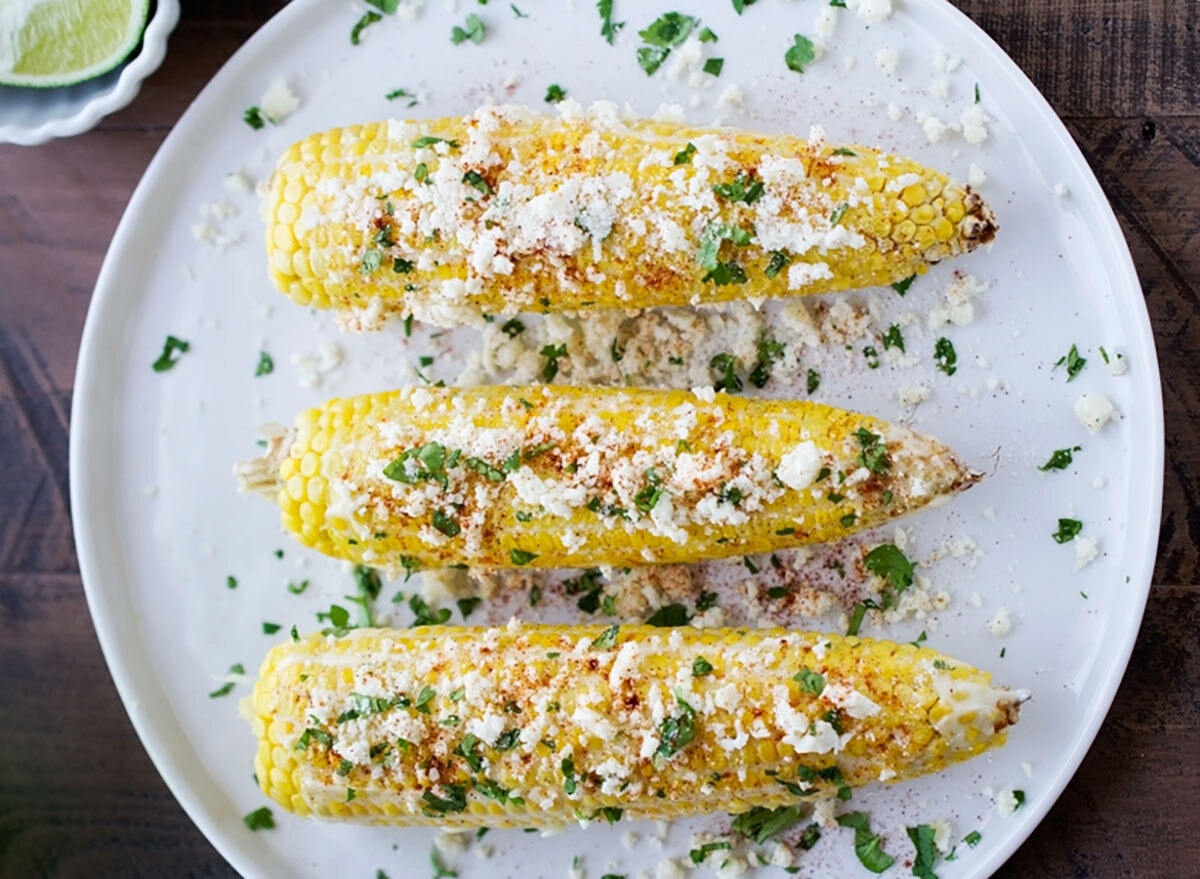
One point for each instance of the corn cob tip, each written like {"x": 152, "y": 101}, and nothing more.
{"x": 978, "y": 226}
{"x": 261, "y": 475}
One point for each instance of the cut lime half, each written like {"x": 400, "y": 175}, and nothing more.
{"x": 46, "y": 43}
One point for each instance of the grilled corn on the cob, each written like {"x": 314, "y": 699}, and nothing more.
{"x": 541, "y": 725}
{"x": 507, "y": 210}
{"x": 562, "y": 476}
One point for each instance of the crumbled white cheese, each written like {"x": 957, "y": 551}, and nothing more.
{"x": 895, "y": 113}
{"x": 974, "y": 124}
{"x": 452, "y": 842}
{"x": 315, "y": 367}
{"x": 1086, "y": 550}
{"x": 1061, "y": 190}
{"x": 940, "y": 88}
{"x": 669, "y": 869}
{"x": 871, "y": 11}
{"x": 1006, "y": 802}
{"x": 887, "y": 59}
{"x": 279, "y": 102}
{"x": 959, "y": 306}
{"x": 731, "y": 96}
{"x": 913, "y": 395}
{"x": 825, "y": 23}
{"x": 1117, "y": 366}
{"x": 800, "y": 466}
{"x": 934, "y": 128}
{"x": 976, "y": 176}
{"x": 238, "y": 183}
{"x": 707, "y": 394}
{"x": 941, "y": 836}
{"x": 1001, "y": 623}
{"x": 1094, "y": 411}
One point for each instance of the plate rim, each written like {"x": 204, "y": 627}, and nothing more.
{"x": 86, "y": 422}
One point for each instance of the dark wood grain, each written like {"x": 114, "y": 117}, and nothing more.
{"x": 78, "y": 796}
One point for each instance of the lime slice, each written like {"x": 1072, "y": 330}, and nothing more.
{"x": 47, "y": 43}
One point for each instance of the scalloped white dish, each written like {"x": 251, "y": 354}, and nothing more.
{"x": 31, "y": 116}
{"x": 159, "y": 526}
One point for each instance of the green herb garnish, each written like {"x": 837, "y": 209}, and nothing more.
{"x": 944, "y": 356}
{"x": 867, "y": 845}
{"x": 226, "y": 688}
{"x": 800, "y": 54}
{"x": 473, "y": 29}
{"x": 172, "y": 349}
{"x": 1067, "y": 530}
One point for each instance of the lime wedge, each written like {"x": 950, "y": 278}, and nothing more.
{"x": 47, "y": 43}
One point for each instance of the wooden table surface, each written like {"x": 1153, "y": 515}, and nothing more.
{"x": 78, "y": 795}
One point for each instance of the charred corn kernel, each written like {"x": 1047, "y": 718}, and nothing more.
{"x": 563, "y": 476}
{"x": 507, "y": 210}
{"x": 530, "y": 726}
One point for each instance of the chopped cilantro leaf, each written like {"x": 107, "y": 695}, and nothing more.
{"x": 1067, "y": 530}
{"x": 725, "y": 366}
{"x": 426, "y": 615}
{"x": 944, "y": 356}
{"x": 1061, "y": 459}
{"x": 254, "y": 118}
{"x": 1073, "y": 362}
{"x": 473, "y": 29}
{"x": 259, "y": 819}
{"x": 810, "y": 681}
{"x": 607, "y": 638}
{"x": 669, "y": 29}
{"x": 429, "y": 140}
{"x": 684, "y": 156}
{"x": 922, "y": 839}
{"x": 779, "y": 260}
{"x": 669, "y": 615}
{"x": 760, "y": 823}
{"x": 227, "y": 687}
{"x": 893, "y": 338}
{"x": 368, "y": 19}
{"x": 608, "y": 27}
{"x": 520, "y": 556}
{"x": 172, "y": 348}
{"x": 800, "y": 54}
{"x": 901, "y": 287}
{"x": 552, "y": 353}
{"x": 867, "y": 845}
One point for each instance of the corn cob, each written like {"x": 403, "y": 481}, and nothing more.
{"x": 540, "y": 725}
{"x": 562, "y": 476}
{"x": 509, "y": 211}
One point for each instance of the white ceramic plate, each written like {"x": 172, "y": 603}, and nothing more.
{"x": 31, "y": 116}
{"x": 159, "y": 526}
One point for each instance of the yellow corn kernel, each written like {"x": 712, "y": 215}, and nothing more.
{"x": 590, "y": 709}
{"x": 351, "y": 226}
{"x": 574, "y": 477}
